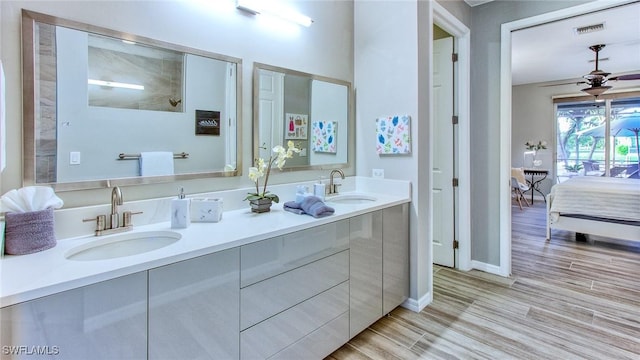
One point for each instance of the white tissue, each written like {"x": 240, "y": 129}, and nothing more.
{"x": 30, "y": 198}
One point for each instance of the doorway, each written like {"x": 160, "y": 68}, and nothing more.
{"x": 459, "y": 36}
{"x": 505, "y": 112}
{"x": 444, "y": 149}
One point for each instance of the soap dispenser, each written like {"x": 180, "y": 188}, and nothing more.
{"x": 320, "y": 188}
{"x": 180, "y": 216}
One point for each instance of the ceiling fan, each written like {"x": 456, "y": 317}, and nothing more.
{"x": 597, "y": 79}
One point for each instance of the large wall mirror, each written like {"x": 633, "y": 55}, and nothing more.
{"x": 312, "y": 111}
{"x": 105, "y": 108}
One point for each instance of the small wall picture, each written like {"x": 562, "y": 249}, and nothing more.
{"x": 207, "y": 122}
{"x": 323, "y": 136}
{"x": 393, "y": 135}
{"x": 295, "y": 126}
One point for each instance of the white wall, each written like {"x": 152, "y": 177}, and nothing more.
{"x": 325, "y": 48}
{"x": 330, "y": 102}
{"x": 392, "y": 68}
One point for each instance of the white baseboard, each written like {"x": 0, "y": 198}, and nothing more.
{"x": 492, "y": 269}
{"x": 417, "y": 305}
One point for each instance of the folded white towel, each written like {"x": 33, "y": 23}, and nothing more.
{"x": 30, "y": 198}
{"x": 156, "y": 163}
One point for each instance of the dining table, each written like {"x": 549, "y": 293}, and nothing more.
{"x": 537, "y": 175}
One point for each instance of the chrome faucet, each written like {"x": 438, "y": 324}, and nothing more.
{"x": 114, "y": 225}
{"x": 333, "y": 188}
{"x": 116, "y": 199}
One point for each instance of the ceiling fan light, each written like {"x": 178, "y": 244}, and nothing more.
{"x": 596, "y": 90}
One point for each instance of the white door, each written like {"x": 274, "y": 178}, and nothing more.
{"x": 271, "y": 98}
{"x": 443, "y": 153}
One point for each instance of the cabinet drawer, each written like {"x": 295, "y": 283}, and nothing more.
{"x": 320, "y": 343}
{"x": 277, "y": 333}
{"x": 194, "y": 308}
{"x": 268, "y": 258}
{"x": 269, "y": 297}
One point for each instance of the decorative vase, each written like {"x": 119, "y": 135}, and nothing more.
{"x": 537, "y": 163}
{"x": 261, "y": 205}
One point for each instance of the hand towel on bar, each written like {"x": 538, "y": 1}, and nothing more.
{"x": 156, "y": 163}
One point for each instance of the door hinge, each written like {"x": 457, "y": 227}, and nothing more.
{"x": 454, "y": 119}
{"x": 456, "y": 244}
{"x": 454, "y": 57}
{"x": 454, "y": 182}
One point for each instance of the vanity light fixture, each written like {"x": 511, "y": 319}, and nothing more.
{"x": 257, "y": 7}
{"x": 115, "y": 84}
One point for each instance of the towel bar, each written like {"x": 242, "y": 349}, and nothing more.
{"x": 123, "y": 156}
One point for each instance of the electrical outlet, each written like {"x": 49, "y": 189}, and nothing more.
{"x": 377, "y": 173}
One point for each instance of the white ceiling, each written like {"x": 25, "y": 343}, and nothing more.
{"x": 553, "y": 51}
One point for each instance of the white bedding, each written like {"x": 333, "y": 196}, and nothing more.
{"x": 605, "y": 197}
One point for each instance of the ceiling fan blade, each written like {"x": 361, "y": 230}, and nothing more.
{"x": 626, "y": 77}
{"x": 567, "y": 83}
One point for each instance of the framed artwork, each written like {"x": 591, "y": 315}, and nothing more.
{"x": 393, "y": 135}
{"x": 296, "y": 126}
{"x": 324, "y": 136}
{"x": 207, "y": 122}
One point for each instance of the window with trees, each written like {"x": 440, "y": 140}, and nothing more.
{"x": 598, "y": 137}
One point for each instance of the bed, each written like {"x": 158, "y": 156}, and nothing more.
{"x": 602, "y": 206}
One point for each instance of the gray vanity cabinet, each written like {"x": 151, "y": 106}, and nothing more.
{"x": 107, "y": 320}
{"x": 379, "y": 265}
{"x": 194, "y": 308}
{"x": 295, "y": 294}
{"x": 395, "y": 257}
{"x": 365, "y": 259}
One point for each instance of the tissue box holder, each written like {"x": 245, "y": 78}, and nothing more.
{"x": 206, "y": 210}
{"x": 30, "y": 232}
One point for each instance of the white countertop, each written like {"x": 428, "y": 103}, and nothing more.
{"x": 44, "y": 273}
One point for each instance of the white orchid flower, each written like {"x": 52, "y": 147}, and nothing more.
{"x": 255, "y": 174}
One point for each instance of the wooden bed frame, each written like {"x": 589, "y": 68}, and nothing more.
{"x": 593, "y": 227}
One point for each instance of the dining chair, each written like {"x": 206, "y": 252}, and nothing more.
{"x": 519, "y": 185}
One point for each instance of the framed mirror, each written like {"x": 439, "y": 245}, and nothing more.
{"x": 105, "y": 108}
{"x": 314, "y": 112}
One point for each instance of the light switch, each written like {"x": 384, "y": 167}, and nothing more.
{"x": 74, "y": 158}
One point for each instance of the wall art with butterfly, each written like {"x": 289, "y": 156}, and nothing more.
{"x": 393, "y": 135}
{"x": 323, "y": 136}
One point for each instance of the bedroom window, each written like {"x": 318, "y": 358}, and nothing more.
{"x": 598, "y": 138}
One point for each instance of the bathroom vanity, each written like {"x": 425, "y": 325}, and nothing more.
{"x": 274, "y": 285}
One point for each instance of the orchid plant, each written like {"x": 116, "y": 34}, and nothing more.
{"x": 530, "y": 145}
{"x": 262, "y": 168}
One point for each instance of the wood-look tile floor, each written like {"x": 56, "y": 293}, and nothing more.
{"x": 566, "y": 299}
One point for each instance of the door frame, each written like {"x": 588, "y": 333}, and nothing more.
{"x": 505, "y": 112}
{"x": 445, "y": 20}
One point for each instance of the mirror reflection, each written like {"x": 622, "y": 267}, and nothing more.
{"x": 310, "y": 110}
{"x": 95, "y": 98}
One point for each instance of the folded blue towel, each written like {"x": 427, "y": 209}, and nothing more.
{"x": 310, "y": 205}
{"x": 294, "y": 207}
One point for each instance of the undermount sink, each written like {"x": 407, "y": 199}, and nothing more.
{"x": 115, "y": 246}
{"x": 351, "y": 199}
